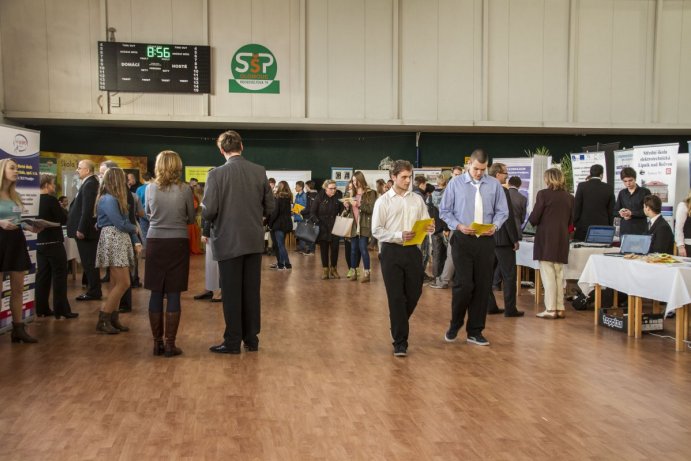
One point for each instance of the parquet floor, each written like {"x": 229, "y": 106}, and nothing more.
{"x": 326, "y": 386}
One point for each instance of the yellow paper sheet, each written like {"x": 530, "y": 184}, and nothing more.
{"x": 420, "y": 229}
{"x": 481, "y": 228}
{"x": 297, "y": 208}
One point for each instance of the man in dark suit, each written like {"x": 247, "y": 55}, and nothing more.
{"x": 81, "y": 225}
{"x": 594, "y": 203}
{"x": 506, "y": 245}
{"x": 519, "y": 202}
{"x": 658, "y": 227}
{"x": 236, "y": 200}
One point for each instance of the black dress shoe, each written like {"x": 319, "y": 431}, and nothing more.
{"x": 251, "y": 347}
{"x": 495, "y": 311}
{"x": 223, "y": 349}
{"x": 67, "y": 315}
{"x": 45, "y": 314}
{"x": 207, "y": 295}
{"x": 86, "y": 297}
{"x": 514, "y": 314}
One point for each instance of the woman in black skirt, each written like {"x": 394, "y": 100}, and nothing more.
{"x": 14, "y": 257}
{"x": 170, "y": 208}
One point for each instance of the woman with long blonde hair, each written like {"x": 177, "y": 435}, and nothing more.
{"x": 170, "y": 208}
{"x": 552, "y": 215}
{"x": 360, "y": 207}
{"x": 14, "y": 256}
{"x": 115, "y": 245}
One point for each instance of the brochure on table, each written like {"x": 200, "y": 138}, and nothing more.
{"x": 23, "y": 146}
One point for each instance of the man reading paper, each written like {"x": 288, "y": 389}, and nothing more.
{"x": 395, "y": 213}
{"x": 472, "y": 198}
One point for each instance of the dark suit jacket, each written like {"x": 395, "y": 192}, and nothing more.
{"x": 594, "y": 206}
{"x": 552, "y": 214}
{"x": 507, "y": 235}
{"x": 663, "y": 237}
{"x": 81, "y": 215}
{"x": 237, "y": 198}
{"x": 519, "y": 203}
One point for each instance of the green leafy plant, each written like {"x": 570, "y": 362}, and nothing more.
{"x": 541, "y": 151}
{"x": 567, "y": 169}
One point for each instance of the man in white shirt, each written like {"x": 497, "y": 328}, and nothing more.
{"x": 393, "y": 218}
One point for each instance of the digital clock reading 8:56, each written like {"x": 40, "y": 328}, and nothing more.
{"x": 158, "y": 51}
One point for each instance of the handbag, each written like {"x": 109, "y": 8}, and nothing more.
{"x": 307, "y": 231}
{"x": 342, "y": 227}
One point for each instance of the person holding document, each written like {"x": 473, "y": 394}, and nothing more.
{"x": 474, "y": 206}
{"x": 395, "y": 215}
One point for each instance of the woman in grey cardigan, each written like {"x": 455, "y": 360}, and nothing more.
{"x": 170, "y": 208}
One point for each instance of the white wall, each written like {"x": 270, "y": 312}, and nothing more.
{"x": 531, "y": 64}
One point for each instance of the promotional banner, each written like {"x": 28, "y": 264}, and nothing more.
{"x": 622, "y": 159}
{"x": 197, "y": 172}
{"x": 656, "y": 167}
{"x": 341, "y": 175}
{"x": 23, "y": 146}
{"x": 521, "y": 167}
{"x": 581, "y": 164}
{"x": 291, "y": 177}
{"x": 430, "y": 174}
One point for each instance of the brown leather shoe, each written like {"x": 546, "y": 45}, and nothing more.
{"x": 561, "y": 315}
{"x": 172, "y": 323}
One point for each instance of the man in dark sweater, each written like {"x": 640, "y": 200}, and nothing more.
{"x": 594, "y": 203}
{"x": 658, "y": 227}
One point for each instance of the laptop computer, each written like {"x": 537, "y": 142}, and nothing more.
{"x": 634, "y": 244}
{"x": 599, "y": 237}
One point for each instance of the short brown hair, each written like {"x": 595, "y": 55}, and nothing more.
{"x": 480, "y": 155}
{"x": 46, "y": 179}
{"x": 496, "y": 168}
{"x": 229, "y": 142}
{"x": 420, "y": 180}
{"x": 554, "y": 179}
{"x": 653, "y": 202}
{"x": 400, "y": 165}
{"x": 627, "y": 172}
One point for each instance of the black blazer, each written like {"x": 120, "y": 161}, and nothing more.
{"x": 81, "y": 215}
{"x": 663, "y": 237}
{"x": 594, "y": 206}
{"x": 507, "y": 234}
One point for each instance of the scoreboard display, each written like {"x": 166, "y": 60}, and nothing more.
{"x": 153, "y": 68}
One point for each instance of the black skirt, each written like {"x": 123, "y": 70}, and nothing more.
{"x": 13, "y": 253}
{"x": 167, "y": 264}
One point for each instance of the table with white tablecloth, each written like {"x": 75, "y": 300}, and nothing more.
{"x": 669, "y": 283}
{"x": 578, "y": 257}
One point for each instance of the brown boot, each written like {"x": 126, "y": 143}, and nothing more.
{"x": 172, "y": 323}
{"x": 115, "y": 321}
{"x": 156, "y": 321}
{"x": 333, "y": 273}
{"x": 19, "y": 334}
{"x": 104, "y": 324}
{"x": 325, "y": 273}
{"x": 365, "y": 277}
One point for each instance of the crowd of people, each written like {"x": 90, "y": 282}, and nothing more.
{"x": 477, "y": 215}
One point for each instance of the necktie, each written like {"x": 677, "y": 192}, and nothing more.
{"x": 478, "y": 204}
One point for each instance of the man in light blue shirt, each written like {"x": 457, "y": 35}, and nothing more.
{"x": 472, "y": 197}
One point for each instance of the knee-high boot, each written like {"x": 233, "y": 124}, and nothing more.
{"x": 156, "y": 321}
{"x": 172, "y": 323}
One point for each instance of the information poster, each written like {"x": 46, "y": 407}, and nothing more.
{"x": 581, "y": 164}
{"x": 341, "y": 175}
{"x": 23, "y": 146}
{"x": 291, "y": 177}
{"x": 520, "y": 167}
{"x": 197, "y": 172}
{"x": 431, "y": 175}
{"x": 622, "y": 159}
{"x": 656, "y": 167}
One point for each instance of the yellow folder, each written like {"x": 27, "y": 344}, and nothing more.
{"x": 420, "y": 229}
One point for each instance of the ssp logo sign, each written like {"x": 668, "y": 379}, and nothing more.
{"x": 254, "y": 71}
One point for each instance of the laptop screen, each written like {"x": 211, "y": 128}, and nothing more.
{"x": 638, "y": 244}
{"x": 600, "y": 234}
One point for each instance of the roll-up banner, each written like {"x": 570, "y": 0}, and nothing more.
{"x": 581, "y": 164}
{"x": 22, "y": 145}
{"x": 656, "y": 167}
{"x": 622, "y": 159}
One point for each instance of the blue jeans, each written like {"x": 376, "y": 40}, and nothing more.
{"x": 280, "y": 244}
{"x": 144, "y": 225}
{"x": 358, "y": 248}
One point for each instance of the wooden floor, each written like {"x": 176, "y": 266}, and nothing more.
{"x": 326, "y": 386}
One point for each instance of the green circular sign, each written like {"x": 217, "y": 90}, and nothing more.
{"x": 254, "y": 69}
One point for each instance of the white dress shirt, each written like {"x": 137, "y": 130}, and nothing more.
{"x": 394, "y": 214}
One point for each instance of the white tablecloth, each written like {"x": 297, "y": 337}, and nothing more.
{"x": 670, "y": 283}
{"x": 578, "y": 257}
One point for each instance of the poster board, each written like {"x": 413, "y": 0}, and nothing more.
{"x": 523, "y": 168}
{"x": 581, "y": 163}
{"x": 656, "y": 167}
{"x": 291, "y": 177}
{"x": 22, "y": 145}
{"x": 198, "y": 172}
{"x": 431, "y": 174}
{"x": 622, "y": 159}
{"x": 371, "y": 177}
{"x": 341, "y": 175}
